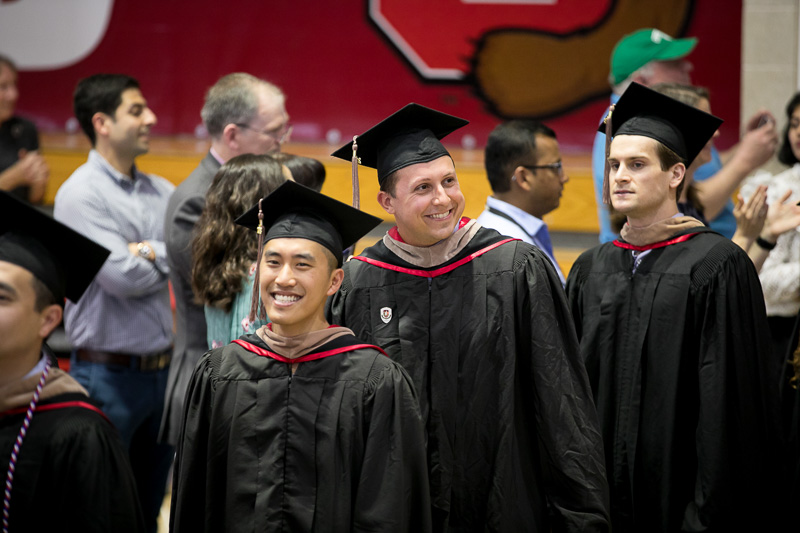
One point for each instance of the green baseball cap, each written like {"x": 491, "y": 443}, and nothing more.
{"x": 637, "y": 49}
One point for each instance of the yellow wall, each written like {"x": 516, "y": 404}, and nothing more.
{"x": 577, "y": 211}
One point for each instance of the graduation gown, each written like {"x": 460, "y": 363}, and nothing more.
{"x": 790, "y": 415}
{"x": 72, "y": 473}
{"x": 336, "y": 446}
{"x": 488, "y": 340}
{"x": 677, "y": 356}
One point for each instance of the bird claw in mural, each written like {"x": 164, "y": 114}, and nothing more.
{"x": 520, "y": 70}
{"x": 524, "y": 73}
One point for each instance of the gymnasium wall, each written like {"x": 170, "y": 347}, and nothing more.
{"x": 346, "y": 64}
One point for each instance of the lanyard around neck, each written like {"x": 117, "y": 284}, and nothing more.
{"x": 512, "y": 220}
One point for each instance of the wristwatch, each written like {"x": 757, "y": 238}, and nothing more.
{"x": 144, "y": 250}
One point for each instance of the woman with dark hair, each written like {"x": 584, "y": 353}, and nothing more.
{"x": 224, "y": 253}
{"x": 789, "y": 150}
{"x": 780, "y": 274}
{"x": 305, "y": 170}
{"x": 789, "y": 154}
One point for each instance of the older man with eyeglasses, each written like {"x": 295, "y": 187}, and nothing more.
{"x": 243, "y": 115}
{"x": 523, "y": 164}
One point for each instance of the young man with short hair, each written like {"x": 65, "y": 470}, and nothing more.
{"x": 301, "y": 426}
{"x": 121, "y": 330}
{"x": 673, "y": 333}
{"x": 63, "y": 464}
{"x": 524, "y": 167}
{"x": 481, "y": 324}
{"x": 648, "y": 56}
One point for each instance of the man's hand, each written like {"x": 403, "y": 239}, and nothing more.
{"x": 133, "y": 248}
{"x": 759, "y": 119}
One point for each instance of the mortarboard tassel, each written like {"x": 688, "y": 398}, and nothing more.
{"x": 355, "y": 163}
{"x": 606, "y": 185}
{"x": 256, "y": 306}
{"x": 356, "y": 192}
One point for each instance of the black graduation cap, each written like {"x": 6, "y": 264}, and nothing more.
{"x": 61, "y": 258}
{"x": 409, "y": 136}
{"x": 295, "y": 211}
{"x": 682, "y": 128}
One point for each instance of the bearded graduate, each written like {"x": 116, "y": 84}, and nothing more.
{"x": 673, "y": 332}
{"x": 300, "y": 426}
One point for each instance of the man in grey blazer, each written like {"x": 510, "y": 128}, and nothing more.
{"x": 243, "y": 115}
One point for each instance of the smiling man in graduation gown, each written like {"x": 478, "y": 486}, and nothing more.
{"x": 673, "y": 331}
{"x": 481, "y": 324}
{"x": 301, "y": 426}
{"x": 63, "y": 463}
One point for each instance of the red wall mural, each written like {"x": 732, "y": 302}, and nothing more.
{"x": 346, "y": 65}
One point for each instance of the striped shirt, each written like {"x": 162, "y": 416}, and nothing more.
{"x": 126, "y": 308}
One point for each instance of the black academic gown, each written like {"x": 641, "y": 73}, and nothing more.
{"x": 338, "y": 446}
{"x": 72, "y": 473}
{"x": 677, "y": 356}
{"x": 490, "y": 345}
{"x": 790, "y": 415}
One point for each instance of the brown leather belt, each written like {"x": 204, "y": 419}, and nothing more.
{"x": 143, "y": 363}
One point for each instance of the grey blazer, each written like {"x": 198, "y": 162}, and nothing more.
{"x": 183, "y": 211}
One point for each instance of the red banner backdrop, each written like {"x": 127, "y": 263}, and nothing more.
{"x": 346, "y": 65}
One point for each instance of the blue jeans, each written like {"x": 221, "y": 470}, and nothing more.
{"x": 134, "y": 401}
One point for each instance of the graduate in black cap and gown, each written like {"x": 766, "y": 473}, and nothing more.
{"x": 673, "y": 332}
{"x": 481, "y": 323}
{"x": 300, "y": 426}
{"x": 64, "y": 466}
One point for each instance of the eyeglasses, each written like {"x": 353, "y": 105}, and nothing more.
{"x": 558, "y": 167}
{"x": 275, "y": 134}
